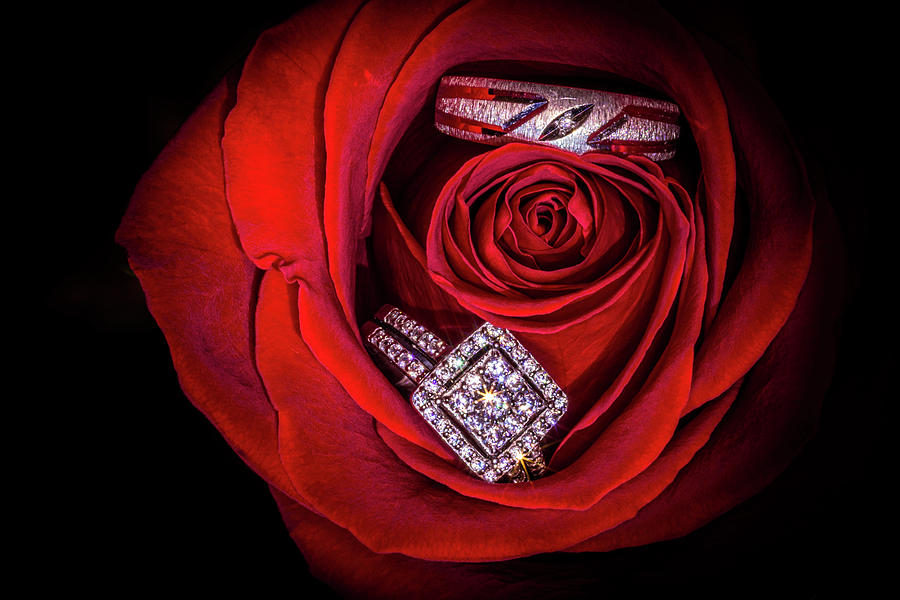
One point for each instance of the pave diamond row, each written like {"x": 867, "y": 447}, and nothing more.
{"x": 405, "y": 360}
{"x": 519, "y": 403}
{"x": 426, "y": 341}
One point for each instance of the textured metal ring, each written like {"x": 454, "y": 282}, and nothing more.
{"x": 499, "y": 111}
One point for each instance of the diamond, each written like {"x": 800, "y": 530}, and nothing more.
{"x": 454, "y": 439}
{"x": 431, "y": 414}
{"x": 560, "y": 403}
{"x": 475, "y": 423}
{"x": 456, "y": 362}
{"x": 549, "y": 420}
{"x": 468, "y": 454}
{"x": 415, "y": 369}
{"x": 507, "y": 342}
{"x": 565, "y": 124}
{"x": 404, "y": 359}
{"x": 504, "y": 463}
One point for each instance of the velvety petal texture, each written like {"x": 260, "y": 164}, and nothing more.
{"x": 687, "y": 308}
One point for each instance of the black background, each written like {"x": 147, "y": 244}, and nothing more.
{"x": 165, "y": 504}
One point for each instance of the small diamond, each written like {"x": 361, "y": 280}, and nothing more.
{"x": 395, "y": 350}
{"x": 530, "y": 365}
{"x": 478, "y": 465}
{"x": 467, "y": 454}
{"x": 432, "y": 386}
{"x": 404, "y": 359}
{"x": 541, "y": 378}
{"x": 415, "y": 369}
{"x": 454, "y": 439}
{"x": 497, "y": 367}
{"x": 504, "y": 463}
{"x": 475, "y": 423}
{"x": 491, "y": 330}
{"x": 479, "y": 339}
{"x": 456, "y": 362}
{"x": 513, "y": 423}
{"x": 560, "y": 403}
{"x": 565, "y": 124}
{"x": 431, "y": 414}
{"x": 419, "y": 401}
{"x": 491, "y": 475}
{"x": 467, "y": 348}
{"x": 473, "y": 381}
{"x": 526, "y": 404}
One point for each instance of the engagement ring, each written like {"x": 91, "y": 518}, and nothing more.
{"x": 487, "y": 398}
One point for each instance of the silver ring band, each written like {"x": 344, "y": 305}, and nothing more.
{"x": 500, "y": 111}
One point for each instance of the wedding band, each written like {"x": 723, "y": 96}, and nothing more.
{"x": 499, "y": 111}
{"x": 487, "y": 398}
{"x": 407, "y": 351}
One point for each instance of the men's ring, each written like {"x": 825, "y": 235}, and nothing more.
{"x": 499, "y": 111}
{"x": 487, "y": 398}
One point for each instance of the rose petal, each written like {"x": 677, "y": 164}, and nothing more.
{"x": 200, "y": 287}
{"x": 275, "y": 175}
{"x": 781, "y": 396}
{"x": 776, "y": 258}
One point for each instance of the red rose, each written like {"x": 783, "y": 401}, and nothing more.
{"x": 686, "y": 308}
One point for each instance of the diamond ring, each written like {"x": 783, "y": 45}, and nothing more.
{"x": 487, "y": 398}
{"x": 499, "y": 111}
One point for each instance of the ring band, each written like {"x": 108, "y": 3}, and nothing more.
{"x": 406, "y": 350}
{"x": 499, "y": 111}
{"x": 487, "y": 398}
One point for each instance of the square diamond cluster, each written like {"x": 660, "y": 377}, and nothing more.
{"x": 490, "y": 401}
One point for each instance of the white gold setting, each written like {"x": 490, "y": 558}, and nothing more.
{"x": 492, "y": 403}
